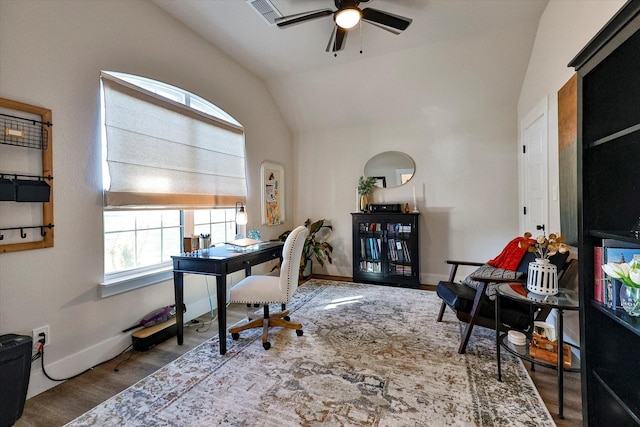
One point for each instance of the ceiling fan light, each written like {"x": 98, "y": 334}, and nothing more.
{"x": 348, "y": 18}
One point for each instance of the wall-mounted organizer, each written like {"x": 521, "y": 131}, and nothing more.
{"x": 25, "y": 139}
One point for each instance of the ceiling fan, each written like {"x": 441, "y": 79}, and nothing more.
{"x": 347, "y": 17}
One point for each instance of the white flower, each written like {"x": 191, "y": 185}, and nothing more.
{"x": 625, "y": 272}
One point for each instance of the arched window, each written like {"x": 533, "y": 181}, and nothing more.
{"x": 173, "y": 166}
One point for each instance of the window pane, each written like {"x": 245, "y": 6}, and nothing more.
{"x": 149, "y": 219}
{"x": 171, "y": 219}
{"x": 149, "y": 247}
{"x": 201, "y": 216}
{"x": 220, "y": 215}
{"x": 119, "y": 221}
{"x": 170, "y": 243}
{"x": 119, "y": 251}
{"x": 218, "y": 234}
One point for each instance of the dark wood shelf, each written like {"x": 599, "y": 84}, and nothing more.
{"x": 620, "y": 389}
{"x": 619, "y": 316}
{"x": 632, "y": 132}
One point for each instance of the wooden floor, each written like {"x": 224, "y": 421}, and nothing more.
{"x": 65, "y": 402}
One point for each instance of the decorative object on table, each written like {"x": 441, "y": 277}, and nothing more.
{"x": 241, "y": 220}
{"x": 415, "y": 201}
{"x": 254, "y": 234}
{"x": 191, "y": 243}
{"x": 545, "y": 330}
{"x": 517, "y": 337}
{"x": 315, "y": 245}
{"x": 272, "y": 194}
{"x": 547, "y": 350}
{"x": 205, "y": 241}
{"x": 365, "y": 188}
{"x": 542, "y": 277}
{"x": 385, "y": 207}
{"x": 629, "y": 275}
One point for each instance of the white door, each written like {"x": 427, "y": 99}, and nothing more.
{"x": 534, "y": 148}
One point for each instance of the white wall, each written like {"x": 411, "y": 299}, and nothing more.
{"x": 464, "y": 183}
{"x": 565, "y": 28}
{"x": 51, "y": 56}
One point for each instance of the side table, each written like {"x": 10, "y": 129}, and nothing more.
{"x": 564, "y": 300}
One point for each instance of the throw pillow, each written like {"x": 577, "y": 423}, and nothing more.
{"x": 490, "y": 271}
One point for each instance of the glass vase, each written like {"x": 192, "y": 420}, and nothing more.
{"x": 364, "y": 202}
{"x": 630, "y": 300}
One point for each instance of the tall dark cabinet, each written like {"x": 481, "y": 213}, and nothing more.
{"x": 385, "y": 248}
{"x": 608, "y": 206}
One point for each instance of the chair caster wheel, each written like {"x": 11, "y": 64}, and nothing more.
{"x": 235, "y": 336}
{"x": 266, "y": 345}
{"x": 287, "y": 318}
{"x": 299, "y": 332}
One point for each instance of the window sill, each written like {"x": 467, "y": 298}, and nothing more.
{"x": 130, "y": 282}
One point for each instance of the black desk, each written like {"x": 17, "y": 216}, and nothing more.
{"x": 563, "y": 301}
{"x": 219, "y": 262}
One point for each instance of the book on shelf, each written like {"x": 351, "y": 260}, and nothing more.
{"x": 620, "y": 253}
{"x": 400, "y": 270}
{"x": 405, "y": 249}
{"x": 370, "y": 266}
{"x": 598, "y": 274}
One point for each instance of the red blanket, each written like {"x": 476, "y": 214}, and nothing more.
{"x": 510, "y": 257}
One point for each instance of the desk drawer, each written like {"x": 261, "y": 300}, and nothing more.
{"x": 196, "y": 266}
{"x": 243, "y": 262}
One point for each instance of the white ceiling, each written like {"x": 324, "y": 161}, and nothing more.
{"x": 457, "y": 54}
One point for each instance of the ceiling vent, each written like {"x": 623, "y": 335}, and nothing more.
{"x": 266, "y": 9}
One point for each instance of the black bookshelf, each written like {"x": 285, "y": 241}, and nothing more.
{"x": 386, "y": 249}
{"x": 608, "y": 205}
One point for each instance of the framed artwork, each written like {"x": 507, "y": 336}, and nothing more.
{"x": 272, "y": 193}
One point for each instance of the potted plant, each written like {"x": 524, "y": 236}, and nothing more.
{"x": 315, "y": 246}
{"x": 365, "y": 187}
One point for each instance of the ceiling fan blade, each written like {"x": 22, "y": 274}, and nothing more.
{"x": 337, "y": 39}
{"x": 385, "y": 20}
{"x": 298, "y": 18}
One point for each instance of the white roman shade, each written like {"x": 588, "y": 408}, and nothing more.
{"x": 164, "y": 154}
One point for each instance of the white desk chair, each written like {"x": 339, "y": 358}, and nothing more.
{"x": 265, "y": 290}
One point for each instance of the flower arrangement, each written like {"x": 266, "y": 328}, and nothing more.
{"x": 365, "y": 185}
{"x": 627, "y": 272}
{"x": 544, "y": 246}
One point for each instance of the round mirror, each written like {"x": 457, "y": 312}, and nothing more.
{"x": 391, "y": 169}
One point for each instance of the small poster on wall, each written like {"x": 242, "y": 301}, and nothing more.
{"x": 272, "y": 193}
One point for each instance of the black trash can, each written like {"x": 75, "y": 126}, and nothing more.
{"x": 15, "y": 368}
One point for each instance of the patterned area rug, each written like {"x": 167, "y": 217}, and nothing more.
{"x": 370, "y": 356}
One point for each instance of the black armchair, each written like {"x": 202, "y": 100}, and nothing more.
{"x": 475, "y": 306}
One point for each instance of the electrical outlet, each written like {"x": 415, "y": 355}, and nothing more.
{"x": 35, "y": 333}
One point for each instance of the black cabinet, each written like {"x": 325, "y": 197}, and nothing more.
{"x": 608, "y": 207}
{"x": 385, "y": 248}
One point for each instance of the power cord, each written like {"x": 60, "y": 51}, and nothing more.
{"x": 40, "y": 355}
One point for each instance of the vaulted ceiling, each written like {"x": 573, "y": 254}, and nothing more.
{"x": 456, "y": 54}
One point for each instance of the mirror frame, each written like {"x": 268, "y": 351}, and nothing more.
{"x": 375, "y": 167}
